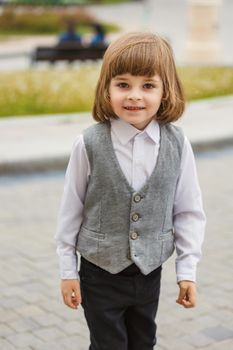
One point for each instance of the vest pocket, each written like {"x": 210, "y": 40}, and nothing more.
{"x": 164, "y": 236}
{"x": 168, "y": 246}
{"x": 88, "y": 244}
{"x": 90, "y": 233}
{"x": 161, "y": 249}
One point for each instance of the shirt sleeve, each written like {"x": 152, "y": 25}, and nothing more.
{"x": 188, "y": 217}
{"x": 70, "y": 214}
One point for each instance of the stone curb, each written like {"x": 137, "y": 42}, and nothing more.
{"x": 60, "y": 163}
{"x": 212, "y": 145}
{"x": 33, "y": 166}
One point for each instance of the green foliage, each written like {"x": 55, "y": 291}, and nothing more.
{"x": 72, "y": 90}
{"x": 105, "y": 1}
{"x": 44, "y": 21}
{"x": 25, "y": 23}
{"x": 63, "y": 2}
{"x": 205, "y": 82}
{"x": 37, "y": 2}
{"x": 39, "y": 92}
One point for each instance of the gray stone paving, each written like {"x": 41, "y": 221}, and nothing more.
{"x": 32, "y": 315}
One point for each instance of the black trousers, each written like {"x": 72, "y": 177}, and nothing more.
{"x": 120, "y": 309}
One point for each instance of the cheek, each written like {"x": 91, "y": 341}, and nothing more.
{"x": 116, "y": 101}
{"x": 157, "y": 100}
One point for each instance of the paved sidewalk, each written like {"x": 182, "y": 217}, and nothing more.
{"x": 44, "y": 142}
{"x": 32, "y": 314}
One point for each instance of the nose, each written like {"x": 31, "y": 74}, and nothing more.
{"x": 134, "y": 95}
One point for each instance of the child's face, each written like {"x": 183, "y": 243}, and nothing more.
{"x": 136, "y": 99}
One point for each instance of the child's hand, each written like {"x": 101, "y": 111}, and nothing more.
{"x": 187, "y": 295}
{"x": 71, "y": 293}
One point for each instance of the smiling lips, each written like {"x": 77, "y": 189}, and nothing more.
{"x": 133, "y": 108}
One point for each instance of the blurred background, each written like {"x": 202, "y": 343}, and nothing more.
{"x": 199, "y": 32}
{"x": 50, "y": 58}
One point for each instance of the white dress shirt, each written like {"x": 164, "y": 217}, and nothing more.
{"x": 137, "y": 152}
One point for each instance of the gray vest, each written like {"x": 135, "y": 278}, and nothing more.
{"x": 121, "y": 226}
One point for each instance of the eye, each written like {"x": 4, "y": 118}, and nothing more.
{"x": 123, "y": 85}
{"x": 148, "y": 86}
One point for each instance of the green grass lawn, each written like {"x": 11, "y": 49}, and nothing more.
{"x": 46, "y": 22}
{"x": 205, "y": 82}
{"x": 72, "y": 90}
{"x": 65, "y": 2}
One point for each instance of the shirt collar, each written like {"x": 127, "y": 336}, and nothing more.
{"x": 125, "y": 131}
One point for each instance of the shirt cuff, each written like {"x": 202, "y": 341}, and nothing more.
{"x": 68, "y": 267}
{"x": 185, "y": 272}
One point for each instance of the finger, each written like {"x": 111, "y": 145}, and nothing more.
{"x": 69, "y": 302}
{"x": 181, "y": 296}
{"x": 187, "y": 304}
{"x": 77, "y": 296}
{"x": 191, "y": 299}
{"x": 75, "y": 299}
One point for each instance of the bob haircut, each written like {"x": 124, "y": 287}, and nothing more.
{"x": 144, "y": 54}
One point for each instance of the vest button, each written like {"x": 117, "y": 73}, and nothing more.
{"x": 137, "y": 198}
{"x": 135, "y": 217}
{"x": 134, "y": 235}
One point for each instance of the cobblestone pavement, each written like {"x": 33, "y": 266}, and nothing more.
{"x": 32, "y": 314}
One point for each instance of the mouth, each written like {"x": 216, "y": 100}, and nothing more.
{"x": 133, "y": 108}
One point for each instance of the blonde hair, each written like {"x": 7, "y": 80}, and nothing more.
{"x": 144, "y": 54}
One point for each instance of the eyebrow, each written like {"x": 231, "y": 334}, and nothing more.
{"x": 152, "y": 80}
{"x": 149, "y": 80}
{"x": 120, "y": 78}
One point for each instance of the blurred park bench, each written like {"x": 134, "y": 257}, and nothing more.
{"x": 68, "y": 52}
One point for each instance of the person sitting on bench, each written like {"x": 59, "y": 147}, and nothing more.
{"x": 99, "y": 35}
{"x": 70, "y": 35}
